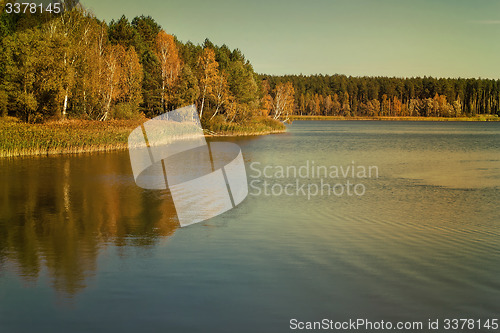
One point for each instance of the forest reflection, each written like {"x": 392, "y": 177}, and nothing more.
{"x": 58, "y": 213}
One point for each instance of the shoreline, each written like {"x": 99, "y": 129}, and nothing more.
{"x": 394, "y": 118}
{"x": 237, "y": 134}
{"x": 81, "y": 136}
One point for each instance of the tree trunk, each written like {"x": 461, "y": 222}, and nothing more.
{"x": 65, "y": 105}
{"x": 163, "y": 96}
{"x": 203, "y": 101}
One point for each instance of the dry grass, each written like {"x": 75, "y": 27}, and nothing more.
{"x": 79, "y": 136}
{"x": 256, "y": 126}
{"x": 70, "y": 136}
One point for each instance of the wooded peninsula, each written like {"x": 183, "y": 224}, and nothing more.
{"x": 73, "y": 68}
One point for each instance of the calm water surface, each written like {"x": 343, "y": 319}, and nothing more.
{"x": 82, "y": 248}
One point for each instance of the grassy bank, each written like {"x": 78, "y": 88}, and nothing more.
{"x": 476, "y": 118}
{"x": 256, "y": 126}
{"x": 78, "y": 136}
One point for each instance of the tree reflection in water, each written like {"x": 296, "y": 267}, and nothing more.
{"x": 58, "y": 213}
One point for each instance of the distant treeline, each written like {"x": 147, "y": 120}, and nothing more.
{"x": 340, "y": 95}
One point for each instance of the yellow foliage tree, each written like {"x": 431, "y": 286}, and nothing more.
{"x": 266, "y": 101}
{"x": 111, "y": 76}
{"x": 221, "y": 93}
{"x": 283, "y": 100}
{"x": 170, "y": 63}
{"x": 208, "y": 73}
{"x": 132, "y": 78}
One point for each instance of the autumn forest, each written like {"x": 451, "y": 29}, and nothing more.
{"x": 76, "y": 66}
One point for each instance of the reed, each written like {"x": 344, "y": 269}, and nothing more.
{"x": 70, "y": 136}
{"x": 255, "y": 126}
{"x": 79, "y": 136}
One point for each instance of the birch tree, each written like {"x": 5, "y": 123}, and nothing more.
{"x": 283, "y": 101}
{"x": 170, "y": 64}
{"x": 208, "y": 73}
{"x": 112, "y": 71}
{"x": 221, "y": 93}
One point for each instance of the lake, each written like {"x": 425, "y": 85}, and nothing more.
{"x": 82, "y": 248}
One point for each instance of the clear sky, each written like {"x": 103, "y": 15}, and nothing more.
{"x": 441, "y": 38}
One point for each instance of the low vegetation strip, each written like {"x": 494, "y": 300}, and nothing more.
{"x": 487, "y": 117}
{"x": 78, "y": 136}
{"x": 18, "y": 139}
{"x": 255, "y": 126}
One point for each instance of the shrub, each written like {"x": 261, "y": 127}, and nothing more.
{"x": 125, "y": 111}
